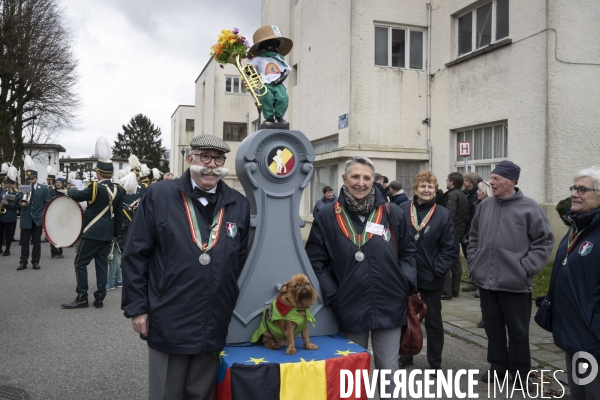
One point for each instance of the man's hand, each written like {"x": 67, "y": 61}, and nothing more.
{"x": 141, "y": 324}
{"x": 281, "y": 78}
{"x": 115, "y": 239}
{"x": 5, "y": 202}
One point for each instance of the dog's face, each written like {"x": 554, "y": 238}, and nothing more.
{"x": 299, "y": 292}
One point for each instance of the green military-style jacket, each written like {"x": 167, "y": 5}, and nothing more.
{"x": 33, "y": 212}
{"x": 97, "y": 197}
{"x": 11, "y": 208}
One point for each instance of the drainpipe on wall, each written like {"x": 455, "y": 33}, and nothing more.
{"x": 429, "y": 84}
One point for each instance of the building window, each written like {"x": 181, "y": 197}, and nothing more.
{"x": 400, "y": 47}
{"x": 189, "y": 125}
{"x": 89, "y": 166}
{"x": 323, "y": 176}
{"x": 233, "y": 84}
{"x": 489, "y": 146}
{"x": 120, "y": 165}
{"x": 234, "y": 131}
{"x": 255, "y": 125}
{"x": 406, "y": 172}
{"x": 481, "y": 26}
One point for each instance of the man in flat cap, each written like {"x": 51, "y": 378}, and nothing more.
{"x": 180, "y": 273}
{"x": 509, "y": 243}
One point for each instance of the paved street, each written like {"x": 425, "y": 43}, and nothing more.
{"x": 92, "y": 353}
{"x": 54, "y": 353}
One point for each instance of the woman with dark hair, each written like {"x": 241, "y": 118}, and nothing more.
{"x": 433, "y": 230}
{"x": 328, "y": 197}
{"x": 575, "y": 284}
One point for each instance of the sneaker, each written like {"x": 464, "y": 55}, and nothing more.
{"x": 110, "y": 285}
{"x": 118, "y": 284}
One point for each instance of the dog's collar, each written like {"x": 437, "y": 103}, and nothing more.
{"x": 282, "y": 307}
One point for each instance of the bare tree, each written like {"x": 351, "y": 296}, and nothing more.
{"x": 37, "y": 75}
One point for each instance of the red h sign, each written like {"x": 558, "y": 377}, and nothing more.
{"x": 464, "y": 149}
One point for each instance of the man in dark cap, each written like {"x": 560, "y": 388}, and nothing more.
{"x": 101, "y": 227}
{"x": 31, "y": 217}
{"x": 180, "y": 273}
{"x": 509, "y": 243}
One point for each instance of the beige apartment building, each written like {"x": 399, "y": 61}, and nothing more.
{"x": 404, "y": 81}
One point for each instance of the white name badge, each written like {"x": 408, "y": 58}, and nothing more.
{"x": 376, "y": 229}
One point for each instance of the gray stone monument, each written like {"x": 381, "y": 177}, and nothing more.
{"x": 274, "y": 167}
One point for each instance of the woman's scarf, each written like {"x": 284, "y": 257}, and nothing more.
{"x": 363, "y": 208}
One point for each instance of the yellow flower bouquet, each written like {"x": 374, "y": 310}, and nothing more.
{"x": 229, "y": 44}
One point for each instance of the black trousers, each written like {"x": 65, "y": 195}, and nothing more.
{"x": 7, "y": 231}
{"x": 35, "y": 236}
{"x": 87, "y": 250}
{"x": 434, "y": 326}
{"x": 453, "y": 277}
{"x": 507, "y": 312}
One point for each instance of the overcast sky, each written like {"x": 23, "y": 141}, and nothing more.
{"x": 143, "y": 56}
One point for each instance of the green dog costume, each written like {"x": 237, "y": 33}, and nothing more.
{"x": 277, "y": 310}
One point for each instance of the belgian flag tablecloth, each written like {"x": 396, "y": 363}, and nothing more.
{"x": 253, "y": 372}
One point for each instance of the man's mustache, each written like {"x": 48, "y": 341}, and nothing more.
{"x": 219, "y": 171}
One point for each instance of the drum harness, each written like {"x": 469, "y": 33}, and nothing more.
{"x": 111, "y": 197}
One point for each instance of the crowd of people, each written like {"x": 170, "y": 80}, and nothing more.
{"x": 371, "y": 247}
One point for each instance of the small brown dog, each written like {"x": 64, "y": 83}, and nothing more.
{"x": 288, "y": 315}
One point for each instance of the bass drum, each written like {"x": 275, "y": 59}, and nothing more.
{"x": 62, "y": 221}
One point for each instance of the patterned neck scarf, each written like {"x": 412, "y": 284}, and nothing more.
{"x": 352, "y": 204}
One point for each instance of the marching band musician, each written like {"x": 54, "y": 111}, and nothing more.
{"x": 115, "y": 279}
{"x": 156, "y": 175}
{"x": 186, "y": 249}
{"x": 57, "y": 190}
{"x": 51, "y": 178}
{"x": 8, "y": 217}
{"x": 32, "y": 210}
{"x": 144, "y": 178}
{"x": 101, "y": 227}
{"x": 136, "y": 168}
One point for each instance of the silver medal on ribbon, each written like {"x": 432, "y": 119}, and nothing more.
{"x": 565, "y": 261}
{"x": 359, "y": 256}
{"x": 417, "y": 236}
{"x": 204, "y": 259}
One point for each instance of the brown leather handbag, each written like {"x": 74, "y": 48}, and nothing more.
{"x": 411, "y": 341}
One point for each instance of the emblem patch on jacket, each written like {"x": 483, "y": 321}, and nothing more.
{"x": 231, "y": 229}
{"x": 585, "y": 248}
{"x": 386, "y": 235}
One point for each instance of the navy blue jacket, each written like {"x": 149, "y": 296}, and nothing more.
{"x": 399, "y": 198}
{"x": 576, "y": 297}
{"x": 373, "y": 293}
{"x": 437, "y": 251}
{"x": 321, "y": 203}
{"x": 189, "y": 305}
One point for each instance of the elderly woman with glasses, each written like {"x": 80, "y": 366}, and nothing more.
{"x": 363, "y": 256}
{"x": 575, "y": 284}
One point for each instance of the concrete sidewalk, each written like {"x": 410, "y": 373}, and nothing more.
{"x": 461, "y": 315}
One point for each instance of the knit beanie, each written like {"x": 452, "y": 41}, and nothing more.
{"x": 507, "y": 169}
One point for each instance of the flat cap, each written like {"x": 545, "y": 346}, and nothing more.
{"x": 209, "y": 142}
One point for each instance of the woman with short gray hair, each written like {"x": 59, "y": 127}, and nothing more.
{"x": 575, "y": 285}
{"x": 364, "y": 259}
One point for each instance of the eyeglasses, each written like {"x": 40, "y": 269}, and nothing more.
{"x": 207, "y": 158}
{"x": 581, "y": 190}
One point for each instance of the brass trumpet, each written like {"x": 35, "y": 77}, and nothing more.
{"x": 2, "y": 209}
{"x": 252, "y": 80}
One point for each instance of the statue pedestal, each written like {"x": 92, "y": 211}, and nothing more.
{"x": 274, "y": 167}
